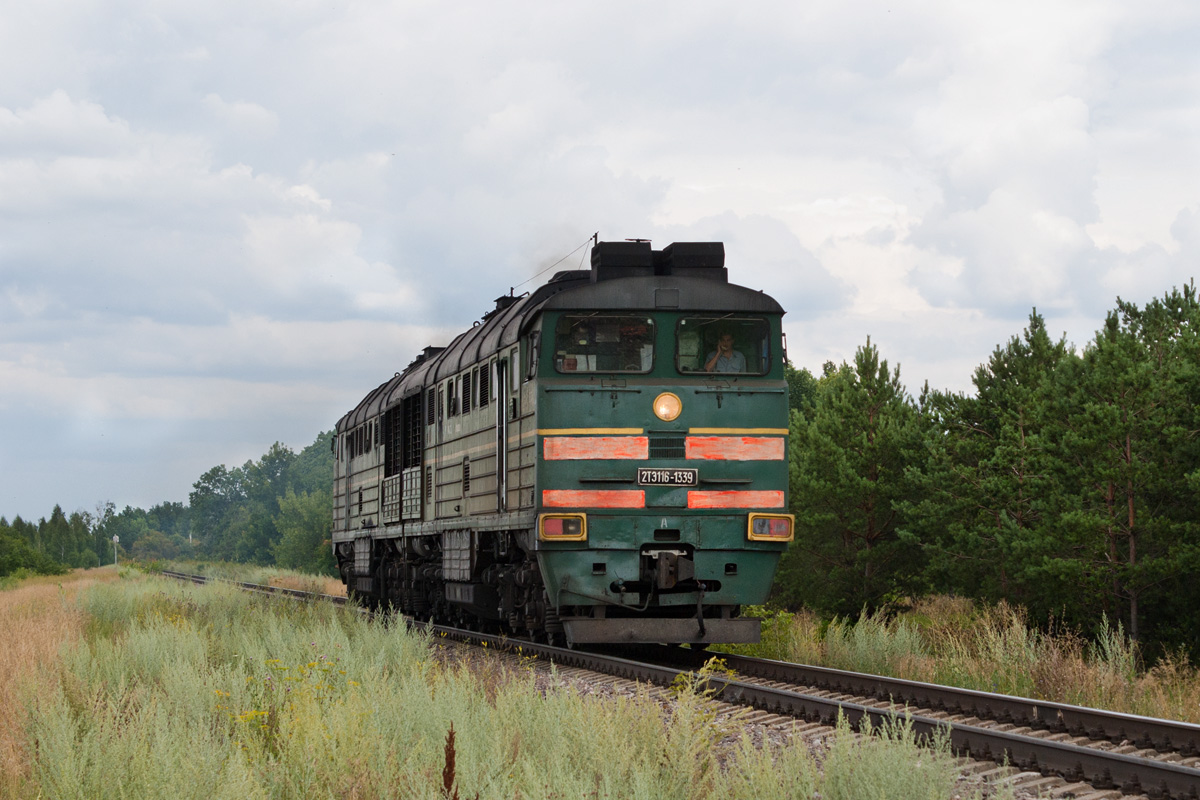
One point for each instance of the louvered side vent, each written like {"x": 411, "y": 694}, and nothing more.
{"x": 456, "y": 555}
{"x": 666, "y": 445}
{"x": 466, "y": 476}
{"x": 412, "y": 493}
{"x": 392, "y": 495}
{"x": 362, "y": 555}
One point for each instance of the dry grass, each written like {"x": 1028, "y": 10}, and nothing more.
{"x": 302, "y": 583}
{"x": 955, "y": 642}
{"x": 37, "y": 617}
{"x": 994, "y": 648}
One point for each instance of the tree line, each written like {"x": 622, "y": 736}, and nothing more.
{"x": 1067, "y": 482}
{"x": 276, "y": 510}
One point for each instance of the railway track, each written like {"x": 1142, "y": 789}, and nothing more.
{"x": 1106, "y": 750}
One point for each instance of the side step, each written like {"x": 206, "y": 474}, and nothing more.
{"x": 743, "y": 630}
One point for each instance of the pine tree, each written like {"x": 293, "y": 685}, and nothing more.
{"x": 1130, "y": 442}
{"x": 55, "y": 538}
{"x": 988, "y": 481}
{"x": 849, "y": 452}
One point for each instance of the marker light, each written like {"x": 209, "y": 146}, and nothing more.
{"x": 771, "y": 527}
{"x": 562, "y": 527}
{"x": 667, "y": 406}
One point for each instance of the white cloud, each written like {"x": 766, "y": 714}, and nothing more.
{"x": 220, "y": 221}
{"x": 243, "y": 118}
{"x": 1011, "y": 256}
{"x": 59, "y": 126}
{"x": 148, "y": 223}
{"x": 301, "y": 255}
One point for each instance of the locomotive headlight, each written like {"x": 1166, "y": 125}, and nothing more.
{"x": 562, "y": 527}
{"x": 667, "y": 406}
{"x": 771, "y": 527}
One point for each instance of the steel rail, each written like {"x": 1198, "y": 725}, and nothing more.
{"x": 1101, "y": 768}
{"x": 259, "y": 588}
{"x": 1143, "y": 732}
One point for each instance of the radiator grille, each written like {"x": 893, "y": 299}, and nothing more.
{"x": 666, "y": 445}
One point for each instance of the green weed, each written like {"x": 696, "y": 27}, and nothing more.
{"x": 184, "y": 691}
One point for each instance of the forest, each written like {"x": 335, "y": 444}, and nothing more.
{"x": 1066, "y": 483}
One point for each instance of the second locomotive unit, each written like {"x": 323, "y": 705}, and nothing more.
{"x": 601, "y": 460}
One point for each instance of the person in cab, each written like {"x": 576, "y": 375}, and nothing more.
{"x": 725, "y": 358}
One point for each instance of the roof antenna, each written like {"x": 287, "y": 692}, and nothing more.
{"x": 596, "y": 238}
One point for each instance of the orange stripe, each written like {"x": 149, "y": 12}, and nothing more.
{"x": 734, "y": 448}
{"x": 563, "y": 448}
{"x": 735, "y": 499}
{"x": 594, "y": 498}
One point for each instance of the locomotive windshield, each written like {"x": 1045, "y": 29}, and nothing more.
{"x": 603, "y": 343}
{"x": 723, "y": 344}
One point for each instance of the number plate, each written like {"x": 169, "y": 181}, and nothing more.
{"x": 649, "y": 476}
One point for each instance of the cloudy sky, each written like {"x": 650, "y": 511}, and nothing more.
{"x": 222, "y": 223}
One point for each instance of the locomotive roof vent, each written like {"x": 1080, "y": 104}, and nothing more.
{"x": 693, "y": 259}
{"x": 569, "y": 275}
{"x": 621, "y": 260}
{"x": 427, "y": 353}
{"x": 505, "y": 300}
{"x": 636, "y": 258}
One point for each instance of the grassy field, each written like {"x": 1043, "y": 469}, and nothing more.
{"x": 955, "y": 642}
{"x": 38, "y": 618}
{"x": 129, "y": 686}
{"x": 939, "y": 639}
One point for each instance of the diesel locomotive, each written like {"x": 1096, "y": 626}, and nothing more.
{"x": 603, "y": 459}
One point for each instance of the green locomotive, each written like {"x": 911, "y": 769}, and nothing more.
{"x": 601, "y": 460}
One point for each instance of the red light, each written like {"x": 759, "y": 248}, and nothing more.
{"x": 778, "y": 528}
{"x": 563, "y": 528}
